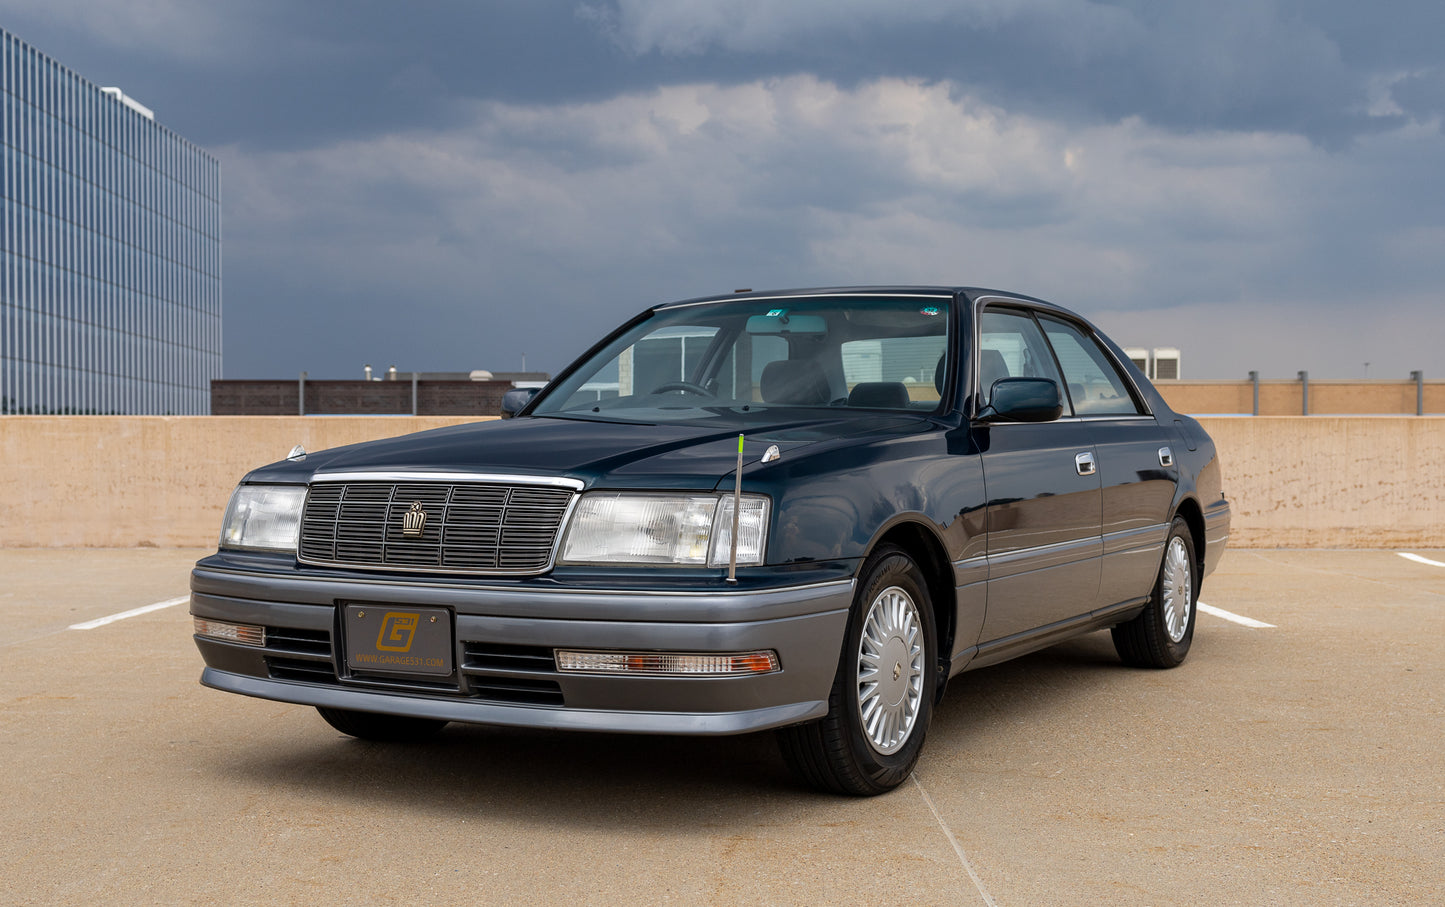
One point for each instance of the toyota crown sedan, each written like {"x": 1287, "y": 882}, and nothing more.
{"x": 800, "y": 511}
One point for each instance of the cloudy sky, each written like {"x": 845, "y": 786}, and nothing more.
{"x": 453, "y": 185}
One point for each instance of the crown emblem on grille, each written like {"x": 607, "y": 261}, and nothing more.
{"x": 414, "y": 520}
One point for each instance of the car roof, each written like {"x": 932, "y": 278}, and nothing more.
{"x": 890, "y": 290}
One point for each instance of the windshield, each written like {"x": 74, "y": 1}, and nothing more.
{"x": 851, "y": 353}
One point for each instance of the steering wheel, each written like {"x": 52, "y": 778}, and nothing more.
{"x": 686, "y": 387}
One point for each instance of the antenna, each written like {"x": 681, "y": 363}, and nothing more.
{"x": 737, "y": 508}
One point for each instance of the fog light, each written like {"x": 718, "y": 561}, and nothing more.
{"x": 240, "y": 633}
{"x": 668, "y": 663}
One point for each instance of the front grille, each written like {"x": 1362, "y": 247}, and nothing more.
{"x": 471, "y": 527}
{"x": 297, "y": 669}
{"x": 517, "y": 691}
{"x": 291, "y": 640}
{"x": 483, "y": 656}
{"x": 522, "y": 675}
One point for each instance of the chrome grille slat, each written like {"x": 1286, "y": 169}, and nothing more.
{"x": 490, "y": 527}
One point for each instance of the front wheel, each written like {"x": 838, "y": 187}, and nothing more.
{"x": 1161, "y": 635}
{"x": 381, "y": 728}
{"x": 882, "y": 696}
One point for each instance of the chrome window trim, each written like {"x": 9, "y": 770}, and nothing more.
{"x": 1107, "y": 418}
{"x": 982, "y": 301}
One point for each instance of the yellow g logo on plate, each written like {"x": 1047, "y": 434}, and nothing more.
{"x": 398, "y": 629}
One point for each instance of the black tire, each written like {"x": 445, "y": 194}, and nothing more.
{"x": 381, "y": 728}
{"x": 1155, "y": 638}
{"x": 839, "y": 752}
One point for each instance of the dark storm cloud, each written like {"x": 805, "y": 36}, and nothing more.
{"x": 264, "y": 73}
{"x": 1233, "y": 64}
{"x": 447, "y": 185}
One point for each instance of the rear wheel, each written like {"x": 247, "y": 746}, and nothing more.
{"x": 882, "y": 696}
{"x": 1162, "y": 633}
{"x": 381, "y": 728}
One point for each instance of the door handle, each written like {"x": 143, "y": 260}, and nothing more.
{"x": 1084, "y": 463}
{"x": 1166, "y": 457}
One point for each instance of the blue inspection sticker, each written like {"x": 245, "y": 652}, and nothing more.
{"x": 777, "y": 313}
{"x": 930, "y": 310}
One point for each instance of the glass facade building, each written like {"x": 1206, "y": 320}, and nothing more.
{"x": 110, "y": 250}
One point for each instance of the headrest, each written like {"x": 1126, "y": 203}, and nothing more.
{"x": 879, "y": 395}
{"x": 991, "y": 367}
{"x": 793, "y": 381}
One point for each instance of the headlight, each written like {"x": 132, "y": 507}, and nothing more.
{"x": 695, "y": 529}
{"x": 263, "y": 516}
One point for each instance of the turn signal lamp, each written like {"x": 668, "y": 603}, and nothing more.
{"x": 238, "y": 633}
{"x": 676, "y": 664}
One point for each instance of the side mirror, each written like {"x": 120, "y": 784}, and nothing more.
{"x": 1024, "y": 400}
{"x": 514, "y": 400}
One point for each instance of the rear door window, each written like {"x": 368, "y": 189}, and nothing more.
{"x": 1011, "y": 346}
{"x": 1093, "y": 380}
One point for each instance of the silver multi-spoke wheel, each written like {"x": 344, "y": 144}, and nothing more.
{"x": 890, "y": 670}
{"x": 1161, "y": 634}
{"x": 1177, "y": 589}
{"x": 882, "y": 696}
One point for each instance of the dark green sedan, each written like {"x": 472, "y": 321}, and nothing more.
{"x": 803, "y": 511}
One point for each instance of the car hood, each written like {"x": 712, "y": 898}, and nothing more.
{"x": 598, "y": 453}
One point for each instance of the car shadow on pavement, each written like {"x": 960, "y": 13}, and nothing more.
{"x": 602, "y": 780}
{"x": 1024, "y": 690}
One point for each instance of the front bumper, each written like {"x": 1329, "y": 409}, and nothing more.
{"x": 504, "y": 637}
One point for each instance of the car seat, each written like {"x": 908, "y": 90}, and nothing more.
{"x": 794, "y": 381}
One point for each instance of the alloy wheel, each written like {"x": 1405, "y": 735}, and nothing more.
{"x": 890, "y": 670}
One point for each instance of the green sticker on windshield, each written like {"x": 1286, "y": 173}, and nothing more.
{"x": 777, "y": 313}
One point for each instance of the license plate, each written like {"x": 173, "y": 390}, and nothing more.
{"x": 384, "y": 639}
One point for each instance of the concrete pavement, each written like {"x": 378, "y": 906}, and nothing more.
{"x": 1299, "y": 764}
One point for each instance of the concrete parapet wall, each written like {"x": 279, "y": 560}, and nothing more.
{"x": 1333, "y": 481}
{"x": 1286, "y": 398}
{"x": 127, "y": 481}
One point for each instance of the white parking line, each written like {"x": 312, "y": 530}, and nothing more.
{"x": 1418, "y": 559}
{"x": 134, "y": 612}
{"x": 957, "y": 849}
{"x": 1229, "y": 615}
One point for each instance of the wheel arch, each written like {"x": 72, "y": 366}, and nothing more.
{"x": 924, "y": 546}
{"x": 1193, "y": 516}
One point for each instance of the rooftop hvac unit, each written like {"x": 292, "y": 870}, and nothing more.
{"x": 1166, "y": 364}
{"x": 1140, "y": 357}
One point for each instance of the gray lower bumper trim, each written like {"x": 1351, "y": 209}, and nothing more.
{"x": 691, "y": 723}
